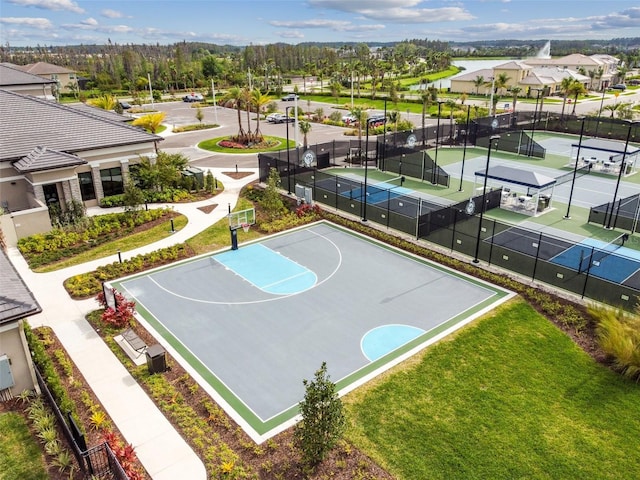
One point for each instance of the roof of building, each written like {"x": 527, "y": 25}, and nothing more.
{"x": 16, "y": 300}
{"x": 517, "y": 176}
{"x": 513, "y": 65}
{"x": 43, "y": 68}
{"x": 42, "y": 158}
{"x": 11, "y": 75}
{"x": 29, "y": 122}
{"x": 605, "y": 145}
{"x": 485, "y": 73}
{"x": 106, "y": 114}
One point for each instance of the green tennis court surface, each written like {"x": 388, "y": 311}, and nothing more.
{"x": 252, "y": 323}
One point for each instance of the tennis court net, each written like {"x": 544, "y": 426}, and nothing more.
{"x": 599, "y": 254}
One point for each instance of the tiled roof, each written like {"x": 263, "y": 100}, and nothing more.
{"x": 16, "y": 300}
{"x": 28, "y": 122}
{"x": 41, "y": 158}
{"x": 43, "y": 68}
{"x": 11, "y": 75}
{"x": 106, "y": 114}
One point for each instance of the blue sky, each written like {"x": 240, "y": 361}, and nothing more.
{"x": 244, "y": 22}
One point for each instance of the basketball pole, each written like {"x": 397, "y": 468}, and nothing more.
{"x": 234, "y": 238}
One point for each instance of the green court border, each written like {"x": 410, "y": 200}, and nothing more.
{"x": 257, "y": 424}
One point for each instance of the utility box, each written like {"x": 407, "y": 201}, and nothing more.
{"x": 6, "y": 377}
{"x": 156, "y": 359}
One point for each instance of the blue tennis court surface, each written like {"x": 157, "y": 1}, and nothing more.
{"x": 380, "y": 192}
{"x": 251, "y": 324}
{"x": 610, "y": 262}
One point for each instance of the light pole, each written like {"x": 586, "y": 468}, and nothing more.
{"x": 533, "y": 125}
{"x": 484, "y": 192}
{"x": 493, "y": 87}
{"x": 286, "y": 114}
{"x": 575, "y": 169}
{"x": 433, "y": 175}
{"x": 464, "y": 152}
{"x": 604, "y": 90}
{"x": 622, "y": 166}
{"x": 366, "y": 165}
{"x": 384, "y": 135}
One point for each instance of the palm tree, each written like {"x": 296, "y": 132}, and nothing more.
{"x": 394, "y": 116}
{"x": 565, "y": 85}
{"x": 501, "y": 82}
{"x": 259, "y": 100}
{"x": 515, "y": 91}
{"x": 105, "y": 102}
{"x": 305, "y": 128}
{"x": 234, "y": 95}
{"x": 151, "y": 121}
{"x": 452, "y": 105}
{"x": 478, "y": 82}
{"x": 576, "y": 89}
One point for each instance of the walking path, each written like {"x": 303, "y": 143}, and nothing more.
{"x": 160, "y": 448}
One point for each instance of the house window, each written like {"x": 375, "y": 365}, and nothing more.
{"x": 86, "y": 186}
{"x": 112, "y": 183}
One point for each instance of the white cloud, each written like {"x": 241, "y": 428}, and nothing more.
{"x": 396, "y": 11}
{"x": 39, "y": 23}
{"x": 318, "y": 23}
{"x": 109, "y": 13}
{"x": 89, "y": 21}
{"x": 50, "y": 5}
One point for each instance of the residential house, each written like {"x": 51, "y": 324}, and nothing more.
{"x": 14, "y": 79}
{"x": 16, "y": 304}
{"x": 53, "y": 153}
{"x": 63, "y": 77}
{"x": 537, "y": 74}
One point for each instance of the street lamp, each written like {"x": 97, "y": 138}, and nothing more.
{"x": 433, "y": 175}
{"x": 366, "y": 165}
{"x": 575, "y": 169}
{"x": 286, "y": 114}
{"x": 533, "y": 126}
{"x": 484, "y": 192}
{"x": 464, "y": 152}
{"x": 604, "y": 90}
{"x": 622, "y": 166}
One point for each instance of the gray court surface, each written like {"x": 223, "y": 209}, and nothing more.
{"x": 256, "y": 347}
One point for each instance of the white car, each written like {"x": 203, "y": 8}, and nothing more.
{"x": 271, "y": 118}
{"x": 349, "y": 119}
{"x": 193, "y": 97}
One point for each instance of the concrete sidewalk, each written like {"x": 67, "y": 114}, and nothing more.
{"x": 160, "y": 448}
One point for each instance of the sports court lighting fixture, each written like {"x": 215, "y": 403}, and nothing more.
{"x": 484, "y": 191}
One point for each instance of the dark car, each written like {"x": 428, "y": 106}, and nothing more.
{"x": 291, "y": 97}
{"x": 124, "y": 105}
{"x": 619, "y": 86}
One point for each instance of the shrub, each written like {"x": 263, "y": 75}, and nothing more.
{"x": 618, "y": 334}
{"x": 120, "y": 316}
{"x": 323, "y": 420}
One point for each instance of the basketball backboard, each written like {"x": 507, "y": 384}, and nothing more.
{"x": 242, "y": 219}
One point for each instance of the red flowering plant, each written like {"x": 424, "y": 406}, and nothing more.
{"x": 122, "y": 315}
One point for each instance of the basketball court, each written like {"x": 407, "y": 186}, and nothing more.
{"x": 251, "y": 323}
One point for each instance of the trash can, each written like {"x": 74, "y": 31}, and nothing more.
{"x": 156, "y": 359}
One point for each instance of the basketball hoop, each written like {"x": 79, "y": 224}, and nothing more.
{"x": 245, "y": 227}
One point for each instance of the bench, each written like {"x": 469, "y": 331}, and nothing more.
{"x": 134, "y": 341}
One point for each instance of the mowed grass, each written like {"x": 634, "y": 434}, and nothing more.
{"x": 509, "y": 397}
{"x": 20, "y": 455}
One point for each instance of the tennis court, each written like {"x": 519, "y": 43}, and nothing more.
{"x": 251, "y": 324}
{"x": 610, "y": 261}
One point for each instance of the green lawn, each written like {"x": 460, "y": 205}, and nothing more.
{"x": 509, "y": 397}
{"x": 20, "y": 455}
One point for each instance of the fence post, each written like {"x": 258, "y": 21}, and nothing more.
{"x": 535, "y": 264}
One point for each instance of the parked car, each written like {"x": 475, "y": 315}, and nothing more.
{"x": 634, "y": 82}
{"x": 619, "y": 86}
{"x": 349, "y": 119}
{"x": 376, "y": 120}
{"x": 193, "y": 97}
{"x": 124, "y": 105}
{"x": 291, "y": 97}
{"x": 271, "y": 118}
{"x": 282, "y": 118}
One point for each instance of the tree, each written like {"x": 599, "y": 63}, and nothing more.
{"x": 515, "y": 91}
{"x": 323, "y": 420}
{"x": 259, "y": 100}
{"x": 150, "y": 122}
{"x": 565, "y": 85}
{"x": 479, "y": 82}
{"x": 305, "y": 128}
{"x": 576, "y": 89}
{"x": 271, "y": 201}
{"x": 132, "y": 199}
{"x": 159, "y": 173}
{"x": 105, "y": 102}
